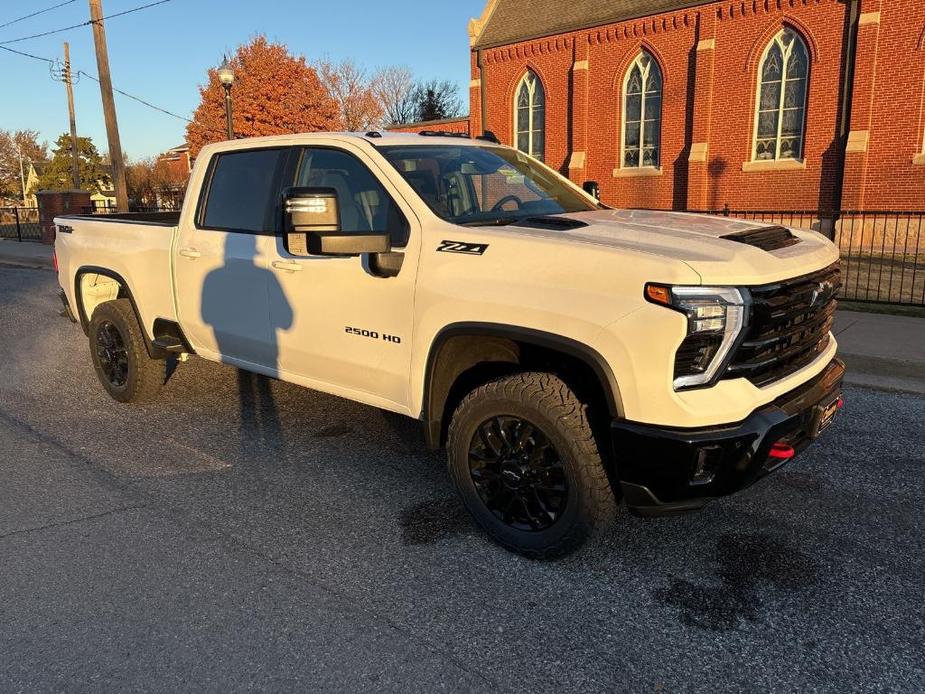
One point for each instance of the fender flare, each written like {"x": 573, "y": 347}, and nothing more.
{"x": 435, "y": 394}
{"x": 84, "y": 319}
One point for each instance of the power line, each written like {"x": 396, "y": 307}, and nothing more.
{"x": 138, "y": 99}
{"x": 36, "y": 14}
{"x": 95, "y": 79}
{"x": 84, "y": 24}
{"x": 27, "y": 55}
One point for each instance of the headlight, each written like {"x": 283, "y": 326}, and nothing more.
{"x": 715, "y": 319}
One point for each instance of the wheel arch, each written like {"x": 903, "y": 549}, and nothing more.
{"x": 471, "y": 353}
{"x": 124, "y": 291}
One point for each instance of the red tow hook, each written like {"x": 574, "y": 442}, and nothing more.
{"x": 781, "y": 451}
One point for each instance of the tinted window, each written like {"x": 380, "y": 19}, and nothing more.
{"x": 243, "y": 191}
{"x": 364, "y": 204}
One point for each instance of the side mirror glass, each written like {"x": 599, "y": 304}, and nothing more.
{"x": 312, "y": 226}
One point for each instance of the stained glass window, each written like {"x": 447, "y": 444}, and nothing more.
{"x": 642, "y": 113}
{"x": 781, "y": 108}
{"x": 530, "y": 116}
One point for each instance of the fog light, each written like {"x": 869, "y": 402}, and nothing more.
{"x": 707, "y": 465}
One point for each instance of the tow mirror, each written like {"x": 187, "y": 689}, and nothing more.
{"x": 311, "y": 223}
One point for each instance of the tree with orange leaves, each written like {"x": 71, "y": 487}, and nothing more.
{"x": 275, "y": 93}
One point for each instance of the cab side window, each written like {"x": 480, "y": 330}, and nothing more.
{"x": 242, "y": 191}
{"x": 365, "y": 206}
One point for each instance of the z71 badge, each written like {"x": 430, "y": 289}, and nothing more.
{"x": 462, "y": 247}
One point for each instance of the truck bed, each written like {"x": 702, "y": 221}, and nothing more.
{"x": 101, "y": 257}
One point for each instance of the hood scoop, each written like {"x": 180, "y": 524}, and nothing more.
{"x": 766, "y": 238}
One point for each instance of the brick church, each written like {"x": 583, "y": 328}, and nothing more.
{"x": 758, "y": 105}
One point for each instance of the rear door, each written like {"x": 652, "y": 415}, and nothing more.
{"x": 222, "y": 268}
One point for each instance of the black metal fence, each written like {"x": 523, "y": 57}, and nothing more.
{"x": 882, "y": 251}
{"x": 20, "y": 223}
{"x": 103, "y": 207}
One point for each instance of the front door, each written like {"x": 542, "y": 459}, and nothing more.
{"x": 222, "y": 266}
{"x": 350, "y": 328}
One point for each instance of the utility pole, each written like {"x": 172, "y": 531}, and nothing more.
{"x": 109, "y": 105}
{"x": 69, "y": 83}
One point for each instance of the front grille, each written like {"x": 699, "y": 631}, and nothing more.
{"x": 788, "y": 327}
{"x": 766, "y": 238}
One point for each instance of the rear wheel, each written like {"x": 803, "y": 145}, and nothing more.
{"x": 120, "y": 358}
{"x": 524, "y": 460}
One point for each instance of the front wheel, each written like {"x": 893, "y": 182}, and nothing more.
{"x": 120, "y": 358}
{"x": 525, "y": 462}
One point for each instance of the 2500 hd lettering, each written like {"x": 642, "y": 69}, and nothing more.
{"x": 571, "y": 358}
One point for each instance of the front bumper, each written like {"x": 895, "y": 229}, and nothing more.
{"x": 664, "y": 471}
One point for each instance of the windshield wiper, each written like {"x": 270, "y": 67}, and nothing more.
{"x": 535, "y": 221}
{"x": 497, "y": 222}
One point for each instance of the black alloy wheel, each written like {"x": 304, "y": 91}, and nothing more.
{"x": 518, "y": 473}
{"x": 120, "y": 357}
{"x": 112, "y": 354}
{"x": 524, "y": 460}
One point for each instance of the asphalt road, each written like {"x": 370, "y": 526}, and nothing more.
{"x": 253, "y": 535}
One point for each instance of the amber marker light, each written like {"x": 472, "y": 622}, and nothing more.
{"x": 658, "y": 294}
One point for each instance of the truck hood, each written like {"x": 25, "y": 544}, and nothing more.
{"x": 696, "y": 240}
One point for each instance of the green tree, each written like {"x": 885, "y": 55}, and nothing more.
{"x": 437, "y": 100}
{"x": 57, "y": 174}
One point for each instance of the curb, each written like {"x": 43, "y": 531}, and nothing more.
{"x": 888, "y": 375}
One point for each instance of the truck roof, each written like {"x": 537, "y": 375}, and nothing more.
{"x": 377, "y": 138}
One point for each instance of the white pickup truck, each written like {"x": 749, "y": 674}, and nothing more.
{"x": 569, "y": 356}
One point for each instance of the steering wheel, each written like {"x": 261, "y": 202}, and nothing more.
{"x": 498, "y": 206}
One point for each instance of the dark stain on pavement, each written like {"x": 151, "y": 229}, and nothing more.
{"x": 750, "y": 569}
{"x": 433, "y": 520}
{"x": 332, "y": 432}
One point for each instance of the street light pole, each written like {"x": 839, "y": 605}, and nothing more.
{"x": 22, "y": 173}
{"x": 228, "y": 122}
{"x": 226, "y": 77}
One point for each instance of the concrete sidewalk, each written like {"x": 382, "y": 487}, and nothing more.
{"x": 26, "y": 254}
{"x": 882, "y": 351}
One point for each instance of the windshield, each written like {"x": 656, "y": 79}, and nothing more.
{"x": 484, "y": 185}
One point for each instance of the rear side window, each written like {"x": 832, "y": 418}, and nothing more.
{"x": 242, "y": 191}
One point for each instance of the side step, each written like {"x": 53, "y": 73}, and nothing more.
{"x": 169, "y": 339}
{"x": 169, "y": 343}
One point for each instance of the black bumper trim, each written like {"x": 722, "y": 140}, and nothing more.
{"x": 657, "y": 466}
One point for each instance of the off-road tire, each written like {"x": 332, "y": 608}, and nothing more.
{"x": 144, "y": 376}
{"x": 545, "y": 401}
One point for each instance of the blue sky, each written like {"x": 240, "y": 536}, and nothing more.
{"x": 161, "y": 54}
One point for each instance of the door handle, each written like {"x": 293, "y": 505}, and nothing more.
{"x": 190, "y": 253}
{"x": 287, "y": 265}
